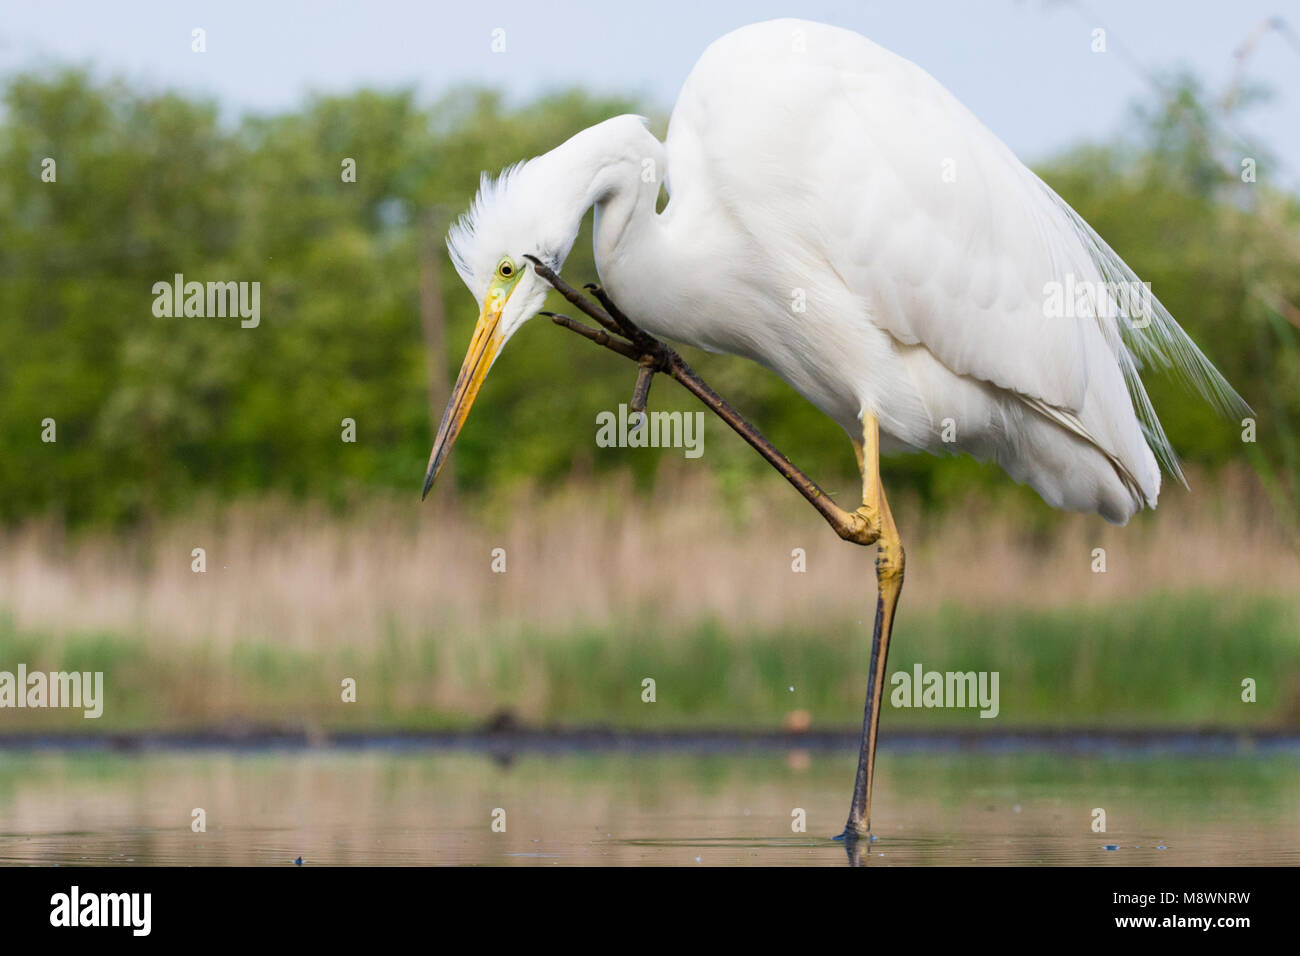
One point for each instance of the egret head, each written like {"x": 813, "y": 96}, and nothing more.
{"x": 532, "y": 209}
{"x": 513, "y": 217}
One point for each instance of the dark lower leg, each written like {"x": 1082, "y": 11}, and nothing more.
{"x": 889, "y": 578}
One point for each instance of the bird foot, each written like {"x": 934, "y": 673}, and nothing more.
{"x": 861, "y": 526}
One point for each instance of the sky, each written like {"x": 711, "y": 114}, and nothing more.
{"x": 1025, "y": 67}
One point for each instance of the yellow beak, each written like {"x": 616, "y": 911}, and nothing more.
{"x": 483, "y": 349}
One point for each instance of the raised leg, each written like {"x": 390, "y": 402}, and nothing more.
{"x": 890, "y": 561}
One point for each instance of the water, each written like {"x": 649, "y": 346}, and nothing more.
{"x": 436, "y": 807}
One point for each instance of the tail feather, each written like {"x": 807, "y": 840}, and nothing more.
{"x": 1153, "y": 338}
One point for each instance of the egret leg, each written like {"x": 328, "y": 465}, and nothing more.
{"x": 890, "y": 561}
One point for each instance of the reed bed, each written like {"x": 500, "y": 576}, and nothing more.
{"x": 408, "y": 595}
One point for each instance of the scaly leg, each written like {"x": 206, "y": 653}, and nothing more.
{"x": 889, "y": 580}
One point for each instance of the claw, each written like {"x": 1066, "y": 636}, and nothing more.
{"x": 641, "y": 391}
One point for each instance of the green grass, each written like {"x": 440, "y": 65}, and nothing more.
{"x": 1162, "y": 661}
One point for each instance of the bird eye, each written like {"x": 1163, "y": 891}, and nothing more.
{"x": 505, "y": 268}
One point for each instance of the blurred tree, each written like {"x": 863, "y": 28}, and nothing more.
{"x": 153, "y": 413}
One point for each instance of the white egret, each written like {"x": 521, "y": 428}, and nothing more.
{"x": 836, "y": 215}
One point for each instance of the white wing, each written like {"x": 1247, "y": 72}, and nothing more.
{"x": 950, "y": 241}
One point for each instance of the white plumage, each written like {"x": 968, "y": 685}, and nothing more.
{"x": 838, "y": 216}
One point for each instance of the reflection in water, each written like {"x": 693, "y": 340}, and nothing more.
{"x": 393, "y": 808}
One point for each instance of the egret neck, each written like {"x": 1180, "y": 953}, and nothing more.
{"x": 535, "y": 209}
